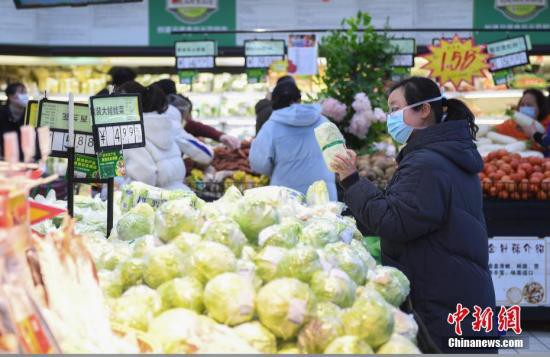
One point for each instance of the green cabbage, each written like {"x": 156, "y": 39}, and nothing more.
{"x": 184, "y": 292}
{"x": 319, "y": 232}
{"x": 289, "y": 348}
{"x": 405, "y": 324}
{"x": 284, "y": 235}
{"x": 370, "y": 318}
{"x": 317, "y": 194}
{"x": 268, "y": 261}
{"x": 398, "y": 345}
{"x": 247, "y": 270}
{"x": 391, "y": 283}
{"x": 186, "y": 242}
{"x": 230, "y": 299}
{"x": 131, "y": 272}
{"x": 253, "y": 215}
{"x": 334, "y": 286}
{"x": 257, "y": 336}
{"x": 110, "y": 259}
{"x": 141, "y": 246}
{"x": 139, "y": 221}
{"x": 348, "y": 345}
{"x": 226, "y": 232}
{"x": 174, "y": 217}
{"x": 363, "y": 253}
{"x": 301, "y": 263}
{"x": 163, "y": 264}
{"x": 146, "y": 295}
{"x": 318, "y": 333}
{"x": 131, "y": 312}
{"x": 284, "y": 306}
{"x": 344, "y": 257}
{"x": 210, "y": 259}
{"x": 325, "y": 309}
{"x": 248, "y": 253}
{"x": 110, "y": 283}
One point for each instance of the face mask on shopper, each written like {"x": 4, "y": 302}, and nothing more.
{"x": 23, "y": 99}
{"x": 397, "y": 128}
{"x": 529, "y": 111}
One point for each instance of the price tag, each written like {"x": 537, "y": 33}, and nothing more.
{"x": 508, "y": 46}
{"x": 509, "y": 61}
{"x": 403, "y": 60}
{"x": 80, "y": 143}
{"x": 195, "y": 62}
{"x": 195, "y": 54}
{"x": 261, "y": 61}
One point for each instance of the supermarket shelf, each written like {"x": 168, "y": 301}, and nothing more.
{"x": 510, "y": 93}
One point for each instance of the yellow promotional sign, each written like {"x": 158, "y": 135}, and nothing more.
{"x": 456, "y": 60}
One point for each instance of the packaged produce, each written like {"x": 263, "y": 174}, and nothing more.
{"x": 331, "y": 141}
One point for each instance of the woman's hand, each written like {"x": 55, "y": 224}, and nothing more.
{"x": 230, "y": 141}
{"x": 345, "y": 165}
{"x": 530, "y": 130}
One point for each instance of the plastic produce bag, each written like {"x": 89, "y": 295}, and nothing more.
{"x": 391, "y": 283}
{"x": 257, "y": 336}
{"x": 186, "y": 292}
{"x": 331, "y": 141}
{"x": 175, "y": 217}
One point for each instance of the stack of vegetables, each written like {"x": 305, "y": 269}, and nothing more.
{"x": 378, "y": 168}
{"x": 230, "y": 167}
{"x": 266, "y": 271}
{"x": 507, "y": 175}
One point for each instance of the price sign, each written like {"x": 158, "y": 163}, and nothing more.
{"x": 508, "y": 53}
{"x": 261, "y": 61}
{"x": 456, "y": 61}
{"x": 406, "y": 48}
{"x": 117, "y": 122}
{"x": 195, "y": 54}
{"x": 509, "y": 61}
{"x": 262, "y": 53}
{"x": 55, "y": 114}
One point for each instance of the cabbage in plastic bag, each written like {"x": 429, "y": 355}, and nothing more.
{"x": 131, "y": 312}
{"x": 284, "y": 235}
{"x": 348, "y": 345}
{"x": 364, "y": 254}
{"x": 268, "y": 262}
{"x": 253, "y": 215}
{"x": 163, "y": 264}
{"x": 344, "y": 257}
{"x": 398, "y": 345}
{"x": 391, "y": 283}
{"x": 226, "y": 232}
{"x": 317, "y": 194}
{"x": 289, "y": 348}
{"x": 248, "y": 270}
{"x": 230, "y": 299}
{"x": 110, "y": 283}
{"x": 370, "y": 318}
{"x": 131, "y": 272}
{"x": 175, "y": 217}
{"x": 331, "y": 142}
{"x": 145, "y": 294}
{"x": 184, "y": 292}
{"x": 284, "y": 306}
{"x": 275, "y": 195}
{"x": 405, "y": 324}
{"x": 139, "y": 221}
{"x": 334, "y": 286}
{"x": 327, "y": 309}
{"x": 320, "y": 232}
{"x": 301, "y": 263}
{"x": 141, "y": 246}
{"x": 248, "y": 253}
{"x": 257, "y": 336}
{"x": 210, "y": 259}
{"x": 318, "y": 333}
{"x": 186, "y": 242}
{"x": 118, "y": 252}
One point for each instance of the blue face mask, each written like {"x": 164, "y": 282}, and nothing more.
{"x": 529, "y": 111}
{"x": 397, "y": 128}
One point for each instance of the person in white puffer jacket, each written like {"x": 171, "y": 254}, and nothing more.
{"x": 160, "y": 162}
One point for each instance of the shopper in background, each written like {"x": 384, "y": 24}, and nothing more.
{"x": 430, "y": 217}
{"x": 119, "y": 76}
{"x": 534, "y": 104}
{"x": 286, "y": 149}
{"x": 12, "y": 115}
{"x": 263, "y": 107}
{"x": 193, "y": 127}
{"x": 160, "y": 162}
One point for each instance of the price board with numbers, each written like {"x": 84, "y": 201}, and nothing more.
{"x": 117, "y": 122}
{"x": 508, "y": 53}
{"x": 55, "y": 114}
{"x": 406, "y": 49}
{"x": 195, "y": 54}
{"x": 262, "y": 53}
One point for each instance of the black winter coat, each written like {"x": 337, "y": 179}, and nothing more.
{"x": 431, "y": 224}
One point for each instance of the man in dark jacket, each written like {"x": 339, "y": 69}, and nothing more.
{"x": 431, "y": 225}
{"x": 12, "y": 114}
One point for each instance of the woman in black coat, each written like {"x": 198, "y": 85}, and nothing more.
{"x": 430, "y": 217}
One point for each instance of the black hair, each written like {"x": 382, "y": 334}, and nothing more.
{"x": 418, "y": 89}
{"x": 122, "y": 75}
{"x": 285, "y": 94}
{"x": 541, "y": 100}
{"x": 152, "y": 97}
{"x": 285, "y": 78}
{"x": 12, "y": 88}
{"x": 181, "y": 102}
{"x": 168, "y": 86}
{"x": 263, "y": 111}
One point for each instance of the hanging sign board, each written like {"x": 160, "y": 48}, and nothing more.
{"x": 406, "y": 48}
{"x": 195, "y": 54}
{"x": 117, "y": 122}
{"x": 262, "y": 53}
{"x": 55, "y": 114}
{"x": 456, "y": 61}
{"x": 508, "y": 53}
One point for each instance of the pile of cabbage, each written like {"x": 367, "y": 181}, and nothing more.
{"x": 270, "y": 271}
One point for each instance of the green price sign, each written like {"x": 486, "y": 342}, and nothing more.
{"x": 85, "y": 166}
{"x": 404, "y": 45}
{"x": 55, "y": 114}
{"x": 116, "y": 109}
{"x": 111, "y": 164}
{"x": 509, "y": 46}
{"x": 264, "y": 48}
{"x": 196, "y": 48}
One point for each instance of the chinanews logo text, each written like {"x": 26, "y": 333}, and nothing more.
{"x": 192, "y": 11}
{"x": 520, "y": 10}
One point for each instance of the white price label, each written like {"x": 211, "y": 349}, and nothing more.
{"x": 116, "y": 135}
{"x": 90, "y": 150}
{"x": 80, "y": 143}
{"x": 195, "y": 62}
{"x": 261, "y": 61}
{"x": 509, "y": 61}
{"x": 58, "y": 141}
{"x": 137, "y": 134}
{"x": 400, "y": 60}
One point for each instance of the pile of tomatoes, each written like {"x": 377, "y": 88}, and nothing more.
{"x": 509, "y": 176}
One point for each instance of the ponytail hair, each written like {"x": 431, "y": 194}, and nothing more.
{"x": 418, "y": 89}
{"x": 153, "y": 98}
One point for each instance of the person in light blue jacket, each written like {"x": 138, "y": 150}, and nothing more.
{"x": 286, "y": 149}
